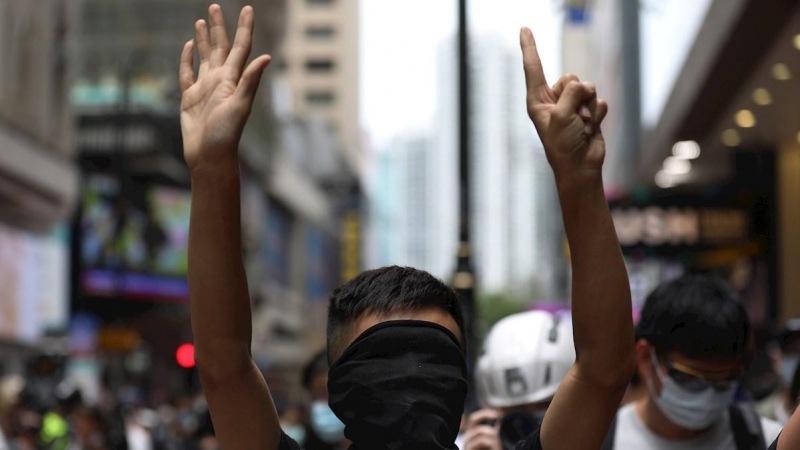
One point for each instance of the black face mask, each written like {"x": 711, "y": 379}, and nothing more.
{"x": 401, "y": 385}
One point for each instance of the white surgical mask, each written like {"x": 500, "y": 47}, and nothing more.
{"x": 789, "y": 365}
{"x": 325, "y": 424}
{"x": 296, "y": 432}
{"x": 687, "y": 409}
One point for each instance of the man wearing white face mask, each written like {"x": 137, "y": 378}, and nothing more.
{"x": 691, "y": 351}
{"x": 325, "y": 431}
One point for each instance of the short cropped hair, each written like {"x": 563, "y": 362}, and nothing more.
{"x": 386, "y": 291}
{"x": 700, "y": 316}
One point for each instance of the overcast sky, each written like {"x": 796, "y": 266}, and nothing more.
{"x": 399, "y": 39}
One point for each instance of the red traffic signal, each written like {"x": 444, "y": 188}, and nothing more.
{"x": 185, "y": 356}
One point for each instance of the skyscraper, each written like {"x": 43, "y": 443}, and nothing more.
{"x": 403, "y": 203}
{"x": 512, "y": 188}
{"x": 319, "y": 62}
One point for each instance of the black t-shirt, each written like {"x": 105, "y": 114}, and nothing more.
{"x": 288, "y": 443}
{"x": 774, "y": 445}
{"x": 532, "y": 443}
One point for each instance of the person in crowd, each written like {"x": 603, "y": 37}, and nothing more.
{"x": 790, "y": 436}
{"x": 11, "y": 387}
{"x": 785, "y": 355}
{"x": 205, "y": 437}
{"x": 525, "y": 358}
{"x": 91, "y": 430}
{"x": 55, "y": 432}
{"x": 691, "y": 352}
{"x": 395, "y": 335}
{"x": 324, "y": 431}
{"x": 187, "y": 420}
{"x": 138, "y": 428}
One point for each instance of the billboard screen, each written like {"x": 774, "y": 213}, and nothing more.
{"x": 134, "y": 246}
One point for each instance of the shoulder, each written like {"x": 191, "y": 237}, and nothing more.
{"x": 771, "y": 429}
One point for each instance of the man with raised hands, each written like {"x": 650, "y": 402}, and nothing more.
{"x": 395, "y": 335}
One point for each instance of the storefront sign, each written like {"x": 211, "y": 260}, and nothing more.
{"x": 655, "y": 226}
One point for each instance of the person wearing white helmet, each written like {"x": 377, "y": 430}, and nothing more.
{"x": 525, "y": 358}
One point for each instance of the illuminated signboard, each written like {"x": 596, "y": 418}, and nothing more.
{"x": 655, "y": 226}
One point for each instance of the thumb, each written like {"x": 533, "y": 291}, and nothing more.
{"x": 251, "y": 78}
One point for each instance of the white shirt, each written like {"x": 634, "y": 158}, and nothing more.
{"x": 632, "y": 433}
{"x": 138, "y": 438}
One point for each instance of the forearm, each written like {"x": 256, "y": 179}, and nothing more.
{"x": 601, "y": 298}
{"x": 220, "y": 303}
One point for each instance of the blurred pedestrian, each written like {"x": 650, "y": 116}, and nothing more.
{"x": 396, "y": 340}
{"x": 525, "y": 358}
{"x": 139, "y": 428}
{"x": 11, "y": 386}
{"x": 324, "y": 431}
{"x": 91, "y": 430}
{"x": 205, "y": 438}
{"x": 790, "y": 437}
{"x": 56, "y": 433}
{"x": 691, "y": 350}
{"x": 785, "y": 356}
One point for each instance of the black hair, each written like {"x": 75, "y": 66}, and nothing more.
{"x": 699, "y": 316}
{"x": 317, "y": 365}
{"x": 385, "y": 291}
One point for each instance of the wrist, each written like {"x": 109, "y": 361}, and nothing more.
{"x": 568, "y": 180}
{"x": 220, "y": 170}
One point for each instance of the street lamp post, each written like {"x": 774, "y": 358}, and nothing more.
{"x": 464, "y": 277}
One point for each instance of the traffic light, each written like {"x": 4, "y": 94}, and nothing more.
{"x": 185, "y": 355}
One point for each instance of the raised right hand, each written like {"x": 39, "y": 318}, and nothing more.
{"x": 480, "y": 435}
{"x": 215, "y": 107}
{"x": 567, "y": 116}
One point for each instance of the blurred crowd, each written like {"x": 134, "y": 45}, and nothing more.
{"x": 62, "y": 420}
{"x": 56, "y": 416}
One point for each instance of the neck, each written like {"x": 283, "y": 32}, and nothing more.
{"x": 658, "y": 423}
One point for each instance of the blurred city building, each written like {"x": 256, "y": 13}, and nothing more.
{"x": 319, "y": 62}
{"x": 38, "y": 175}
{"x": 89, "y": 91}
{"x": 403, "y": 192}
{"x": 717, "y": 167}
{"x": 512, "y": 187}
{"x": 317, "y": 78}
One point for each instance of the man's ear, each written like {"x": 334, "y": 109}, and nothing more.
{"x": 644, "y": 359}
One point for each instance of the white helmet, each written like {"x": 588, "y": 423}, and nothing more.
{"x": 525, "y": 357}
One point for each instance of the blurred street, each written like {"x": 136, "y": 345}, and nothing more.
{"x": 357, "y": 156}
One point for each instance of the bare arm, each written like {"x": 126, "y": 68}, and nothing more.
{"x": 567, "y": 118}
{"x": 214, "y": 109}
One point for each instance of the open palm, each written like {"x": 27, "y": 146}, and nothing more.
{"x": 567, "y": 116}
{"x": 215, "y": 107}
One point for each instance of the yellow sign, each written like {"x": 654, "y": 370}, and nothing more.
{"x": 119, "y": 339}
{"x": 351, "y": 246}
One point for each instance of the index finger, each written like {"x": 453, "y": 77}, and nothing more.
{"x": 534, "y": 73}
{"x": 477, "y": 417}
